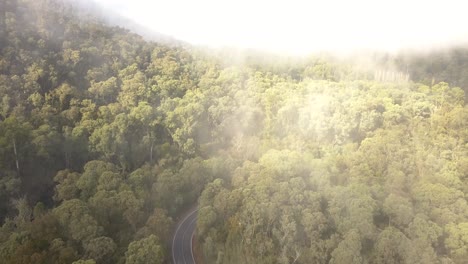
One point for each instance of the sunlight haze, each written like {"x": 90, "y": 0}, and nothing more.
{"x": 265, "y": 132}
{"x": 302, "y": 26}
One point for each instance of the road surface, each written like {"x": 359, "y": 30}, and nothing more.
{"x": 182, "y": 252}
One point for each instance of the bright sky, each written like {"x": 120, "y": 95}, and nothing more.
{"x": 300, "y": 26}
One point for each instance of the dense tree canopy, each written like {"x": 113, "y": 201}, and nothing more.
{"x": 106, "y": 138}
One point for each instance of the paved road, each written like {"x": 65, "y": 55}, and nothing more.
{"x": 182, "y": 252}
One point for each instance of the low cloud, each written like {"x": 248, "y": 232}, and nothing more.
{"x": 300, "y": 27}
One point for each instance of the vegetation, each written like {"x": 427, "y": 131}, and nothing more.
{"x": 106, "y": 138}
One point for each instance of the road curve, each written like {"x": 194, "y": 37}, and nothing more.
{"x": 182, "y": 252}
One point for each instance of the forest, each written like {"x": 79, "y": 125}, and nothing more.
{"x": 106, "y": 138}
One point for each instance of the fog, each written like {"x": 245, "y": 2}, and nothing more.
{"x": 298, "y": 27}
{"x": 117, "y": 148}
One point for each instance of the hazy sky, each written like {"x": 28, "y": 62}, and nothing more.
{"x": 302, "y": 26}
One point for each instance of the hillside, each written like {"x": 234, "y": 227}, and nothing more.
{"x": 105, "y": 138}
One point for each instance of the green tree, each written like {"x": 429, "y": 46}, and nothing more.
{"x": 457, "y": 241}
{"x": 391, "y": 247}
{"x": 349, "y": 249}
{"x": 100, "y": 249}
{"x": 77, "y": 221}
{"x": 146, "y": 250}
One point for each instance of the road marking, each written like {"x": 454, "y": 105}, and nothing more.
{"x": 177, "y": 231}
{"x": 191, "y": 241}
{"x": 183, "y": 240}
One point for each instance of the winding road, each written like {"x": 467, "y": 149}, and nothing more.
{"x": 182, "y": 251}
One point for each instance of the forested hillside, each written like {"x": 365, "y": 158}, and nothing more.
{"x": 106, "y": 138}
{"x": 446, "y": 65}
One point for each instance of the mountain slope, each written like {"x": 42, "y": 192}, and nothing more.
{"x": 106, "y": 137}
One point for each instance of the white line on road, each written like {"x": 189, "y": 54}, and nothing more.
{"x": 191, "y": 243}
{"x": 177, "y": 230}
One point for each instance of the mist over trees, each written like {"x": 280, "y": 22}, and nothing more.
{"x": 105, "y": 139}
